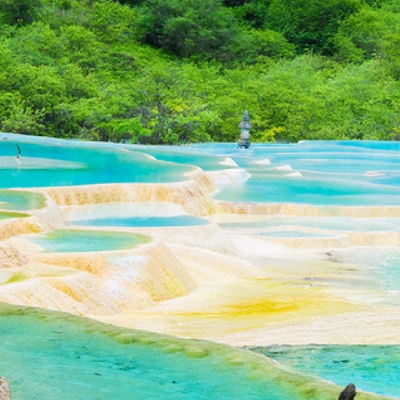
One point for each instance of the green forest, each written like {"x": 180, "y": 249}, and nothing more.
{"x": 184, "y": 71}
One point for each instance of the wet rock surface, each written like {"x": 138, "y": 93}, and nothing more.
{"x": 348, "y": 393}
{"x": 5, "y": 393}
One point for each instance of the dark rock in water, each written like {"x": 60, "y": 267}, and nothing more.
{"x": 348, "y": 393}
{"x": 5, "y": 393}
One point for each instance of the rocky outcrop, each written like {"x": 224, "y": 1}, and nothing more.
{"x": 348, "y": 393}
{"x": 5, "y": 393}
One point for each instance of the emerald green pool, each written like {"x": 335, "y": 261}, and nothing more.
{"x": 48, "y": 355}
{"x": 371, "y": 368}
{"x": 9, "y": 215}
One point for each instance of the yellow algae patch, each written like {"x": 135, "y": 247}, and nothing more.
{"x": 94, "y": 263}
{"x": 166, "y": 287}
{"x": 88, "y": 291}
{"x": 10, "y": 277}
{"x": 259, "y": 309}
{"x": 10, "y": 214}
{"x": 216, "y": 312}
{"x": 20, "y": 226}
{"x": 127, "y": 337}
{"x": 195, "y": 351}
{"x": 164, "y": 276}
{"x": 172, "y": 348}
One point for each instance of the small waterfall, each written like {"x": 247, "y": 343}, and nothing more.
{"x": 190, "y": 195}
{"x": 229, "y": 162}
{"x": 286, "y": 167}
{"x": 228, "y": 177}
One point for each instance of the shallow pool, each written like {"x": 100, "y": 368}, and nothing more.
{"x": 381, "y": 264}
{"x": 48, "y": 355}
{"x": 371, "y": 368}
{"x": 9, "y": 215}
{"x": 318, "y": 173}
{"x": 76, "y": 240}
{"x": 145, "y": 221}
{"x": 20, "y": 200}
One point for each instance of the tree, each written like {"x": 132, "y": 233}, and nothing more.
{"x": 310, "y": 24}
{"x": 252, "y": 13}
{"x": 19, "y": 12}
{"x": 368, "y": 34}
{"x": 189, "y": 28}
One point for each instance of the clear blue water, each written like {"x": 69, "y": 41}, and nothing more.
{"x": 331, "y": 173}
{"x": 76, "y": 240}
{"x": 47, "y": 355}
{"x": 372, "y": 368}
{"x": 146, "y": 221}
{"x": 52, "y": 162}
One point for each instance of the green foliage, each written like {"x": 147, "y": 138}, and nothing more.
{"x": 310, "y": 24}
{"x": 270, "y": 44}
{"x": 19, "y": 12}
{"x": 234, "y": 3}
{"x": 18, "y": 117}
{"x": 190, "y": 28}
{"x": 253, "y": 13}
{"x": 181, "y": 72}
{"x": 368, "y": 34}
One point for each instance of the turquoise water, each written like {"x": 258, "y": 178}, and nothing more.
{"x": 147, "y": 221}
{"x": 19, "y": 200}
{"x": 49, "y": 355}
{"x": 316, "y": 190}
{"x": 372, "y": 368}
{"x": 325, "y": 172}
{"x": 327, "y": 223}
{"x": 52, "y": 162}
{"x": 74, "y": 240}
{"x": 332, "y": 173}
{"x": 382, "y": 264}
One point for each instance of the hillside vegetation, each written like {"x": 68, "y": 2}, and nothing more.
{"x": 181, "y": 71}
